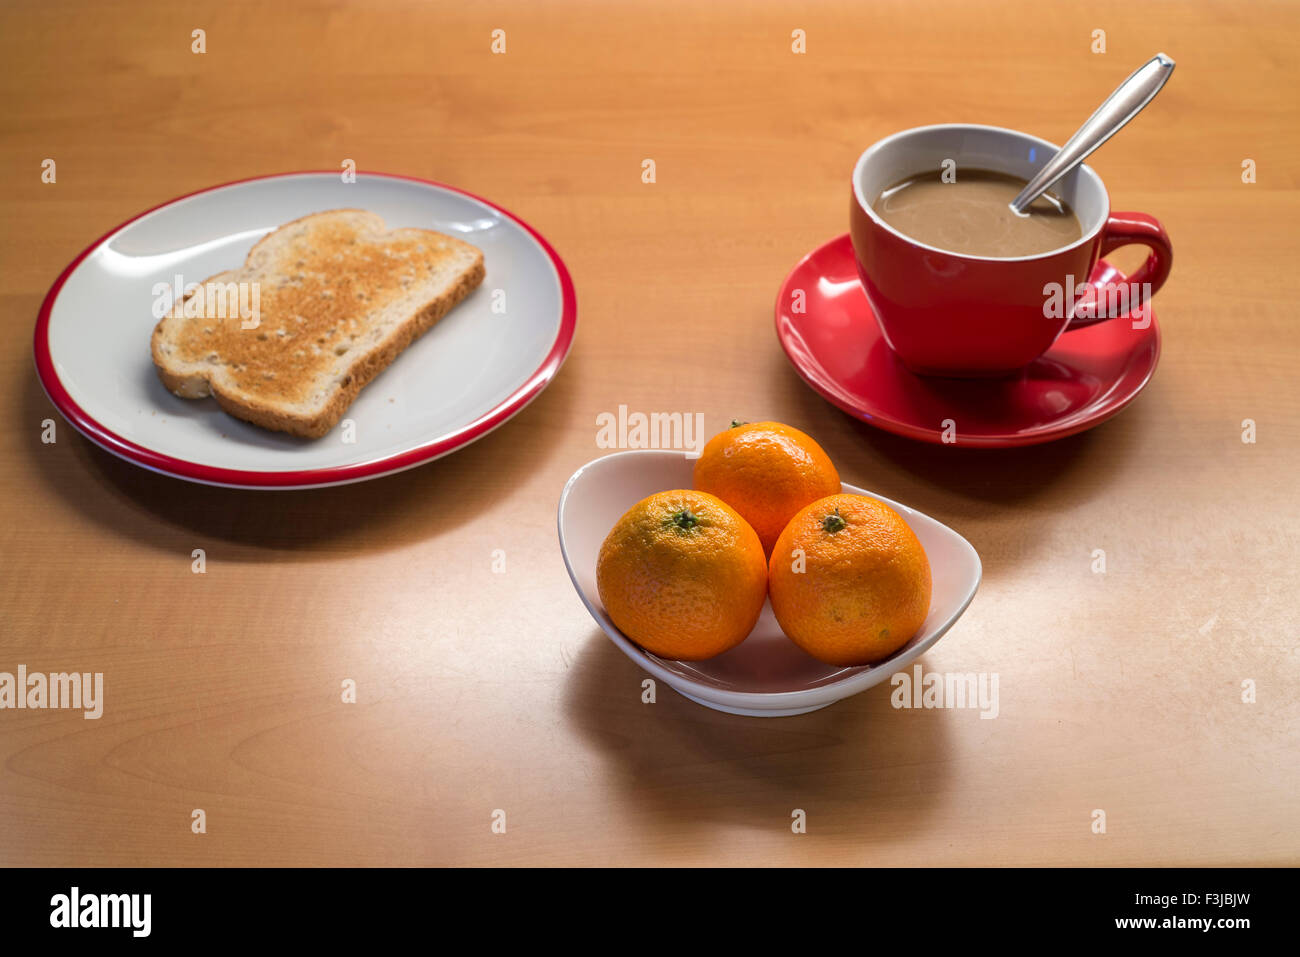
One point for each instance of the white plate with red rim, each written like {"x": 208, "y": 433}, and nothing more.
{"x": 766, "y": 675}
{"x": 481, "y": 364}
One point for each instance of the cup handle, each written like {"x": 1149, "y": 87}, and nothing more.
{"x": 1125, "y": 229}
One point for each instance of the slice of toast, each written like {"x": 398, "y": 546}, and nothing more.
{"x": 337, "y": 299}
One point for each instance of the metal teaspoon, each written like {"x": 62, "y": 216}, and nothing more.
{"x": 1121, "y": 106}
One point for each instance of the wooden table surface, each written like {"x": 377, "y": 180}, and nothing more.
{"x": 480, "y": 691}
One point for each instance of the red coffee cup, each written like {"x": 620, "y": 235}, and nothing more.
{"x": 952, "y": 314}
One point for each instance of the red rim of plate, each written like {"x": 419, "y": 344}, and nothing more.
{"x": 811, "y": 371}
{"x": 104, "y": 437}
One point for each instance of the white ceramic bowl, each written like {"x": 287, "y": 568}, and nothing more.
{"x": 767, "y": 675}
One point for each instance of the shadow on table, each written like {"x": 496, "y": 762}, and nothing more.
{"x": 170, "y": 514}
{"x": 858, "y": 767}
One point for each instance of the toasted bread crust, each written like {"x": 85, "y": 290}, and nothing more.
{"x": 360, "y": 369}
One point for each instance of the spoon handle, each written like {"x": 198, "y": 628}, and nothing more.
{"x": 1120, "y": 107}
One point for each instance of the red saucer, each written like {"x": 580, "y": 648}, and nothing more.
{"x": 836, "y": 345}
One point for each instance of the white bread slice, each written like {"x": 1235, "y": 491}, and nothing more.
{"x": 339, "y": 299}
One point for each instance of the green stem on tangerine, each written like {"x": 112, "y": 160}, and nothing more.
{"x": 736, "y": 423}
{"x": 833, "y": 523}
{"x": 684, "y": 520}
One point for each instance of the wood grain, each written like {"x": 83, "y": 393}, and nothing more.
{"x": 479, "y": 691}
